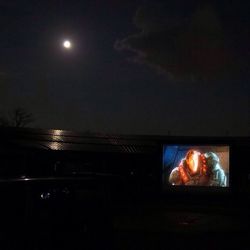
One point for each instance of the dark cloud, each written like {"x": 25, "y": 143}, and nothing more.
{"x": 196, "y": 44}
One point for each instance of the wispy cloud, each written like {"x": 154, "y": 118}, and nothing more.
{"x": 196, "y": 46}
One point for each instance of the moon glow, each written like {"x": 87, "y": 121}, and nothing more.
{"x": 67, "y": 44}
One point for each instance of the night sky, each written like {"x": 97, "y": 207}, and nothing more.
{"x": 135, "y": 67}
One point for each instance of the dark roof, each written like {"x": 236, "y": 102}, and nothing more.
{"x": 63, "y": 140}
{"x": 71, "y": 141}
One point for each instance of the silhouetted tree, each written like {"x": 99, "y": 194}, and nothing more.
{"x": 19, "y": 117}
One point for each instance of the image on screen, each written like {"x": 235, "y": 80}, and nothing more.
{"x": 185, "y": 165}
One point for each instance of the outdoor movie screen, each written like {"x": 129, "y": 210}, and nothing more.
{"x": 196, "y": 165}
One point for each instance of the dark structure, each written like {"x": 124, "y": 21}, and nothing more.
{"x": 76, "y": 189}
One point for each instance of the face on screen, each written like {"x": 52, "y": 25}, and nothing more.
{"x": 192, "y": 161}
{"x": 196, "y": 165}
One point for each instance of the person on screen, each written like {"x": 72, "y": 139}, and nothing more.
{"x": 198, "y": 169}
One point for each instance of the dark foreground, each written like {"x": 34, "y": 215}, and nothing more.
{"x": 162, "y": 225}
{"x": 62, "y": 190}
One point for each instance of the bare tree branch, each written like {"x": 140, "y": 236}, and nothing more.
{"x": 19, "y": 117}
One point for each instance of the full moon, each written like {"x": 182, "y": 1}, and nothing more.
{"x": 67, "y": 44}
